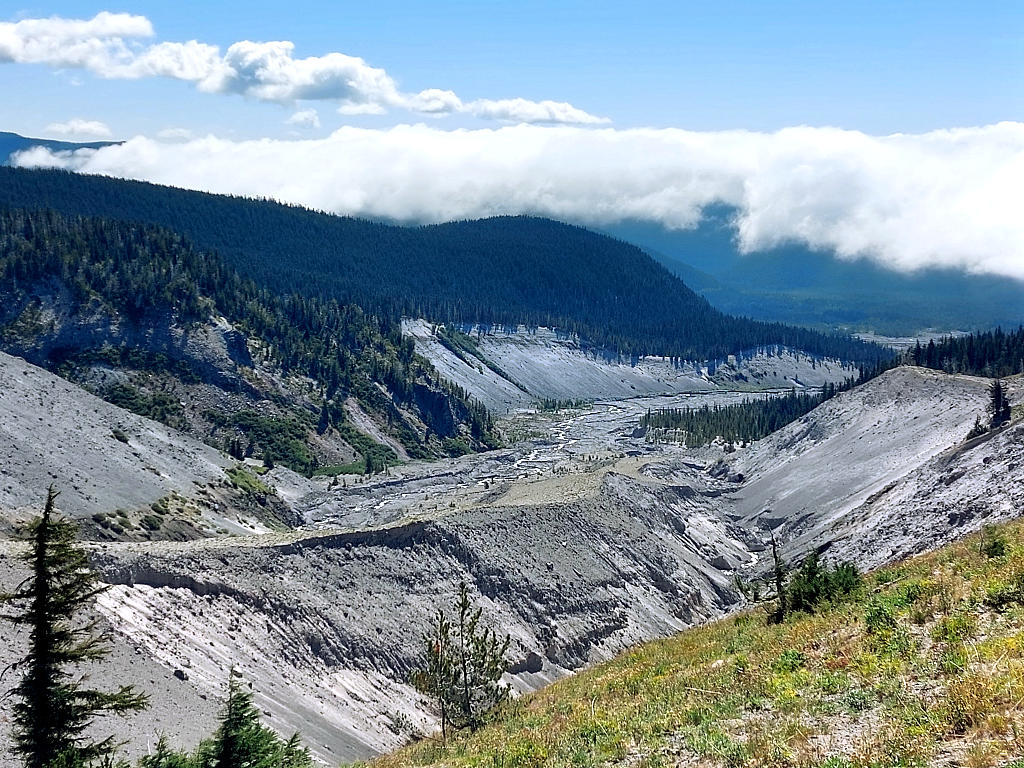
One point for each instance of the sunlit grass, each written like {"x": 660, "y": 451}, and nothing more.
{"x": 926, "y": 665}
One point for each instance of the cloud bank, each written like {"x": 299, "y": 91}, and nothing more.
{"x": 109, "y": 45}
{"x": 951, "y": 198}
{"x": 79, "y": 128}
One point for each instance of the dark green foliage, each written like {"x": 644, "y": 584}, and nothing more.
{"x": 241, "y": 741}
{"x": 463, "y": 662}
{"x": 977, "y": 430}
{"x": 991, "y": 353}
{"x": 504, "y": 270}
{"x": 126, "y": 357}
{"x": 814, "y": 584}
{"x": 741, "y": 422}
{"x": 807, "y": 588}
{"x": 159, "y": 406}
{"x": 52, "y": 707}
{"x": 999, "y": 406}
{"x": 282, "y": 439}
{"x": 993, "y": 542}
{"x": 165, "y": 757}
{"x": 146, "y": 271}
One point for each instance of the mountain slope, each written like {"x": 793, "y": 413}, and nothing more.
{"x": 501, "y": 270}
{"x": 794, "y": 284}
{"x": 924, "y": 666}
{"x": 140, "y": 317}
{"x": 819, "y": 468}
{"x": 162, "y": 483}
{"x": 13, "y": 142}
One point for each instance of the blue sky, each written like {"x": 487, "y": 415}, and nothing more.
{"x": 879, "y": 67}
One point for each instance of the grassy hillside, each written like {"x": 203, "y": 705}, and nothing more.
{"x": 925, "y": 666}
{"x": 500, "y": 270}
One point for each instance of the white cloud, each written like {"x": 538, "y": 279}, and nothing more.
{"x": 304, "y": 118}
{"x": 174, "y": 134}
{"x": 95, "y": 44}
{"x": 108, "y": 46}
{"x": 525, "y": 111}
{"x": 76, "y": 127}
{"x": 946, "y": 198}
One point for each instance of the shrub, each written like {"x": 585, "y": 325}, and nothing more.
{"x": 151, "y": 522}
{"x": 993, "y": 543}
{"x": 814, "y": 584}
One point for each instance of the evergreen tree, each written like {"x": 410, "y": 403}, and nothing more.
{"x": 464, "y": 661}
{"x": 999, "y": 406}
{"x": 242, "y": 741}
{"x": 53, "y": 709}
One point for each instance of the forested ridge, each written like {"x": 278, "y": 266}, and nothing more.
{"x": 502, "y": 270}
{"x": 738, "y": 422}
{"x": 987, "y": 353}
{"x": 142, "y": 269}
{"x": 992, "y": 354}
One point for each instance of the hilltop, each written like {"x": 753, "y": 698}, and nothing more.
{"x": 502, "y": 270}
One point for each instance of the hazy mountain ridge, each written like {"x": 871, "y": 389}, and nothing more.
{"x": 796, "y": 284}
{"x": 11, "y": 143}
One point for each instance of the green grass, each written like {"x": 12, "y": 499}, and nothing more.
{"x": 332, "y": 470}
{"x": 244, "y": 480}
{"x": 925, "y": 666}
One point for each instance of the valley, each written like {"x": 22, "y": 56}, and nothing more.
{"x": 283, "y": 465}
{"x": 580, "y": 539}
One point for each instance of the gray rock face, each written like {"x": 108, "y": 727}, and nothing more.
{"x": 530, "y": 364}
{"x": 52, "y": 431}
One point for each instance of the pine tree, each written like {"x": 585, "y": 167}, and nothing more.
{"x": 998, "y": 404}
{"x": 52, "y": 708}
{"x": 464, "y": 664}
{"x": 242, "y": 741}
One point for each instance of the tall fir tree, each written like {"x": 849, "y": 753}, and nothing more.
{"x": 999, "y": 406}
{"x": 53, "y": 708}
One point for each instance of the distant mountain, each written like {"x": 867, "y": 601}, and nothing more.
{"x": 13, "y": 142}
{"x": 504, "y": 270}
{"x": 794, "y": 284}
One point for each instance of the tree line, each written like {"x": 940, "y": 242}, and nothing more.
{"x": 744, "y": 422}
{"x": 503, "y": 270}
{"x": 994, "y": 354}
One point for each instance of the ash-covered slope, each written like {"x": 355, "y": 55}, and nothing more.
{"x": 102, "y": 458}
{"x": 806, "y": 480}
{"x": 328, "y": 626}
{"x": 515, "y": 366}
{"x": 972, "y": 483}
{"x": 595, "y": 548}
